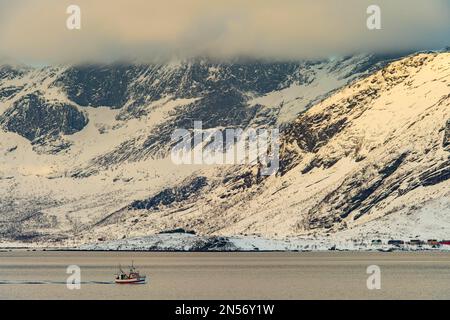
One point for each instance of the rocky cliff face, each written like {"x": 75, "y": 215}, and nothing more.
{"x": 446, "y": 142}
{"x": 40, "y": 120}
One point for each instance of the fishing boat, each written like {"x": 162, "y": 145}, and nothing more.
{"x": 132, "y": 277}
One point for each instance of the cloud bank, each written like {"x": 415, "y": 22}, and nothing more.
{"x": 35, "y": 31}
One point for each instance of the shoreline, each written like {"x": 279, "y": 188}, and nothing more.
{"x": 185, "y": 242}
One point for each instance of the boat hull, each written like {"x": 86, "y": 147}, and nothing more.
{"x": 131, "y": 281}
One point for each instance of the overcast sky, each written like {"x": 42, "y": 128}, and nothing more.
{"x": 35, "y": 31}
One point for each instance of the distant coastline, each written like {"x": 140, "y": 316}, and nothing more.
{"x": 187, "y": 242}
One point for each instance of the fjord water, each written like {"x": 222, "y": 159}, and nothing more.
{"x": 321, "y": 275}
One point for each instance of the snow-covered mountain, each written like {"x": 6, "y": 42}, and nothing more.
{"x": 85, "y": 148}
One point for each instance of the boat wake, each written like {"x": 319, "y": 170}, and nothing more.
{"x": 15, "y": 282}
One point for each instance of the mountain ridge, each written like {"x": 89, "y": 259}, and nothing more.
{"x": 80, "y": 185}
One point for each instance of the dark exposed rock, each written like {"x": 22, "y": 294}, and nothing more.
{"x": 215, "y": 244}
{"x": 37, "y": 119}
{"x": 436, "y": 174}
{"x": 97, "y": 85}
{"x": 171, "y": 195}
{"x": 114, "y": 85}
{"x": 364, "y": 189}
{"x": 8, "y": 92}
{"x": 178, "y": 230}
{"x": 23, "y": 226}
{"x": 10, "y": 72}
{"x": 26, "y": 236}
{"x": 446, "y": 142}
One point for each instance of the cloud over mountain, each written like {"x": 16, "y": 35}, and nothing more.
{"x": 35, "y": 31}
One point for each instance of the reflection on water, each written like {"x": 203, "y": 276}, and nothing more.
{"x": 326, "y": 275}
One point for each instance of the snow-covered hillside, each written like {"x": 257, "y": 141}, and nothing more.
{"x": 85, "y": 148}
{"x": 376, "y": 148}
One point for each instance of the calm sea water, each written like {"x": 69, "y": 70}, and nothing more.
{"x": 328, "y": 275}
